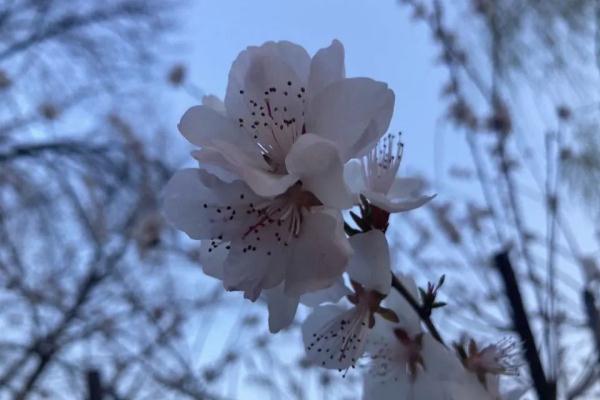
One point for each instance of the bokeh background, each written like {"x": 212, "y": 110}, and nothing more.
{"x": 498, "y": 102}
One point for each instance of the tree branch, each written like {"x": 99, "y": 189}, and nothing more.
{"x": 397, "y": 284}
{"x": 545, "y": 389}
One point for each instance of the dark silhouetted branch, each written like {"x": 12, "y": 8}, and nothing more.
{"x": 545, "y": 390}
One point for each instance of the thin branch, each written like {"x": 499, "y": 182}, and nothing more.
{"x": 545, "y": 390}
{"x": 397, "y": 284}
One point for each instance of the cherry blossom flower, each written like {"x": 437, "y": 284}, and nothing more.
{"x": 405, "y": 362}
{"x": 375, "y": 177}
{"x": 483, "y": 368}
{"x": 291, "y": 120}
{"x": 500, "y": 358}
{"x": 335, "y": 336}
{"x": 267, "y": 198}
{"x": 253, "y": 243}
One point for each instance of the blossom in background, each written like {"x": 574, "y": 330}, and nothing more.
{"x": 335, "y": 336}
{"x": 405, "y": 362}
{"x": 483, "y": 368}
{"x": 267, "y": 199}
{"x": 375, "y": 177}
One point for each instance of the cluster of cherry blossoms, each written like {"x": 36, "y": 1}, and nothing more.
{"x": 294, "y": 145}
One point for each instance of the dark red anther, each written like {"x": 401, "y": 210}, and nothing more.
{"x": 379, "y": 218}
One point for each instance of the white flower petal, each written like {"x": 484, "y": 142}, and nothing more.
{"x": 257, "y": 70}
{"x": 375, "y": 388}
{"x": 353, "y": 113}
{"x": 205, "y": 207}
{"x": 215, "y": 103}
{"x": 201, "y": 125}
{"x": 468, "y": 390}
{"x": 212, "y": 258}
{"x": 335, "y": 338}
{"x": 388, "y": 376}
{"x": 327, "y": 66}
{"x": 311, "y": 261}
{"x": 253, "y": 172}
{"x": 320, "y": 254}
{"x": 331, "y": 294}
{"x": 370, "y": 264}
{"x": 293, "y": 55}
{"x": 213, "y": 161}
{"x": 423, "y": 388}
{"x": 409, "y": 320}
{"x": 440, "y": 363}
{"x": 282, "y": 308}
{"x": 393, "y": 205}
{"x": 406, "y": 187}
{"x": 354, "y": 176}
{"x": 317, "y": 163}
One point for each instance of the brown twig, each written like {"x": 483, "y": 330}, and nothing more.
{"x": 399, "y": 286}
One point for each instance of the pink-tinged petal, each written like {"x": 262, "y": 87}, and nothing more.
{"x": 269, "y": 254}
{"x": 273, "y": 72}
{"x": 205, "y": 207}
{"x": 212, "y": 258}
{"x": 213, "y": 161}
{"x": 370, "y": 264}
{"x": 393, "y": 205}
{"x": 254, "y": 172}
{"x": 201, "y": 125}
{"x": 293, "y": 55}
{"x": 353, "y": 113}
{"x": 282, "y": 308}
{"x": 317, "y": 163}
{"x": 319, "y": 256}
{"x": 327, "y": 66}
{"x": 335, "y": 338}
{"x": 331, "y": 294}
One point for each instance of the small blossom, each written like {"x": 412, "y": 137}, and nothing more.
{"x": 375, "y": 177}
{"x": 335, "y": 336}
{"x": 405, "y": 362}
{"x": 483, "y": 368}
{"x": 501, "y": 358}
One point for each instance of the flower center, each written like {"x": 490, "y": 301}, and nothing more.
{"x": 275, "y": 119}
{"x": 411, "y": 351}
{"x": 285, "y": 210}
